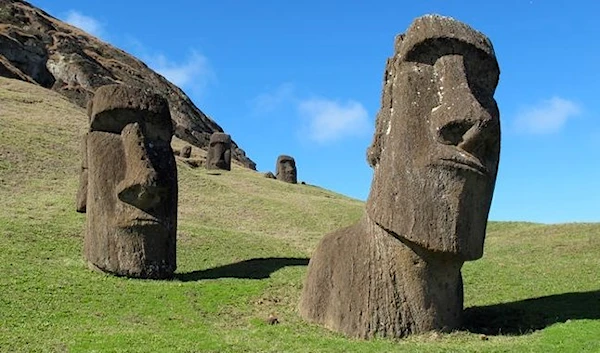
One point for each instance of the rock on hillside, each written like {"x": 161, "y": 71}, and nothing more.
{"x": 38, "y": 48}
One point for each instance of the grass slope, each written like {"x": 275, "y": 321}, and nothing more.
{"x": 243, "y": 246}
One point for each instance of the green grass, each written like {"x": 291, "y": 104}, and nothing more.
{"x": 243, "y": 245}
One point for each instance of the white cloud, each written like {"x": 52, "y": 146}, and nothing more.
{"x": 86, "y": 23}
{"x": 270, "y": 101}
{"x": 330, "y": 120}
{"x": 194, "y": 72}
{"x": 546, "y": 117}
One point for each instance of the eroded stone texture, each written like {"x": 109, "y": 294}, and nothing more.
{"x": 83, "y": 177}
{"x": 269, "y": 175}
{"x": 435, "y": 155}
{"x": 131, "y": 198}
{"x": 219, "y": 152}
{"x": 286, "y": 169}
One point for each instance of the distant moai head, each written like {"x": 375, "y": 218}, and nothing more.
{"x": 437, "y": 141}
{"x": 131, "y": 198}
{"x": 269, "y": 175}
{"x": 186, "y": 151}
{"x": 286, "y": 169}
{"x": 219, "y": 152}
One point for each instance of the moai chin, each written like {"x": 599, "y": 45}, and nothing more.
{"x": 435, "y": 157}
{"x": 286, "y": 169}
{"x": 131, "y": 181}
{"x": 219, "y": 152}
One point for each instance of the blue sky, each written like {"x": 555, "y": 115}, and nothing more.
{"x": 304, "y": 78}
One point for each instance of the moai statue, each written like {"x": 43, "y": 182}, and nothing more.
{"x": 131, "y": 179}
{"x": 186, "y": 151}
{"x": 286, "y": 169}
{"x": 435, "y": 156}
{"x": 219, "y": 152}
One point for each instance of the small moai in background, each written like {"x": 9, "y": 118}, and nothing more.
{"x": 269, "y": 175}
{"x": 219, "y": 152}
{"x": 128, "y": 186}
{"x": 435, "y": 156}
{"x": 186, "y": 151}
{"x": 286, "y": 169}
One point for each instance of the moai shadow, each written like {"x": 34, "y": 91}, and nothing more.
{"x": 285, "y": 170}
{"x": 129, "y": 184}
{"x": 435, "y": 156}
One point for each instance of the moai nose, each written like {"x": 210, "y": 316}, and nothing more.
{"x": 139, "y": 186}
{"x": 460, "y": 117}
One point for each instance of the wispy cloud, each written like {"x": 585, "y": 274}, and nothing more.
{"x": 194, "y": 72}
{"x": 270, "y": 101}
{"x": 86, "y": 23}
{"x": 330, "y": 120}
{"x": 546, "y": 117}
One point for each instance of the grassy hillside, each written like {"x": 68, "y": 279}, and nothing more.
{"x": 243, "y": 246}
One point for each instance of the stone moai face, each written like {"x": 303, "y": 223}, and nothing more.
{"x": 286, "y": 169}
{"x": 436, "y": 148}
{"x": 186, "y": 151}
{"x": 219, "y": 152}
{"x": 131, "y": 199}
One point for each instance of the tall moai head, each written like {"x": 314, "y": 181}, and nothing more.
{"x": 437, "y": 141}
{"x": 219, "y": 151}
{"x": 286, "y": 169}
{"x": 131, "y": 198}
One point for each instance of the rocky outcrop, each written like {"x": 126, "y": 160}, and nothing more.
{"x": 38, "y": 48}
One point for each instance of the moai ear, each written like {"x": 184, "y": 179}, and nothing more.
{"x": 374, "y": 150}
{"x": 383, "y": 119}
{"x": 81, "y": 202}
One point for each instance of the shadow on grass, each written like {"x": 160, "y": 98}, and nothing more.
{"x": 524, "y": 316}
{"x": 249, "y": 269}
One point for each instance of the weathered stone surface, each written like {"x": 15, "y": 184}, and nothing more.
{"x": 83, "y": 177}
{"x": 186, "y": 151}
{"x": 131, "y": 198}
{"x": 219, "y": 152}
{"x": 435, "y": 155}
{"x": 269, "y": 175}
{"x": 286, "y": 169}
{"x": 38, "y": 48}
